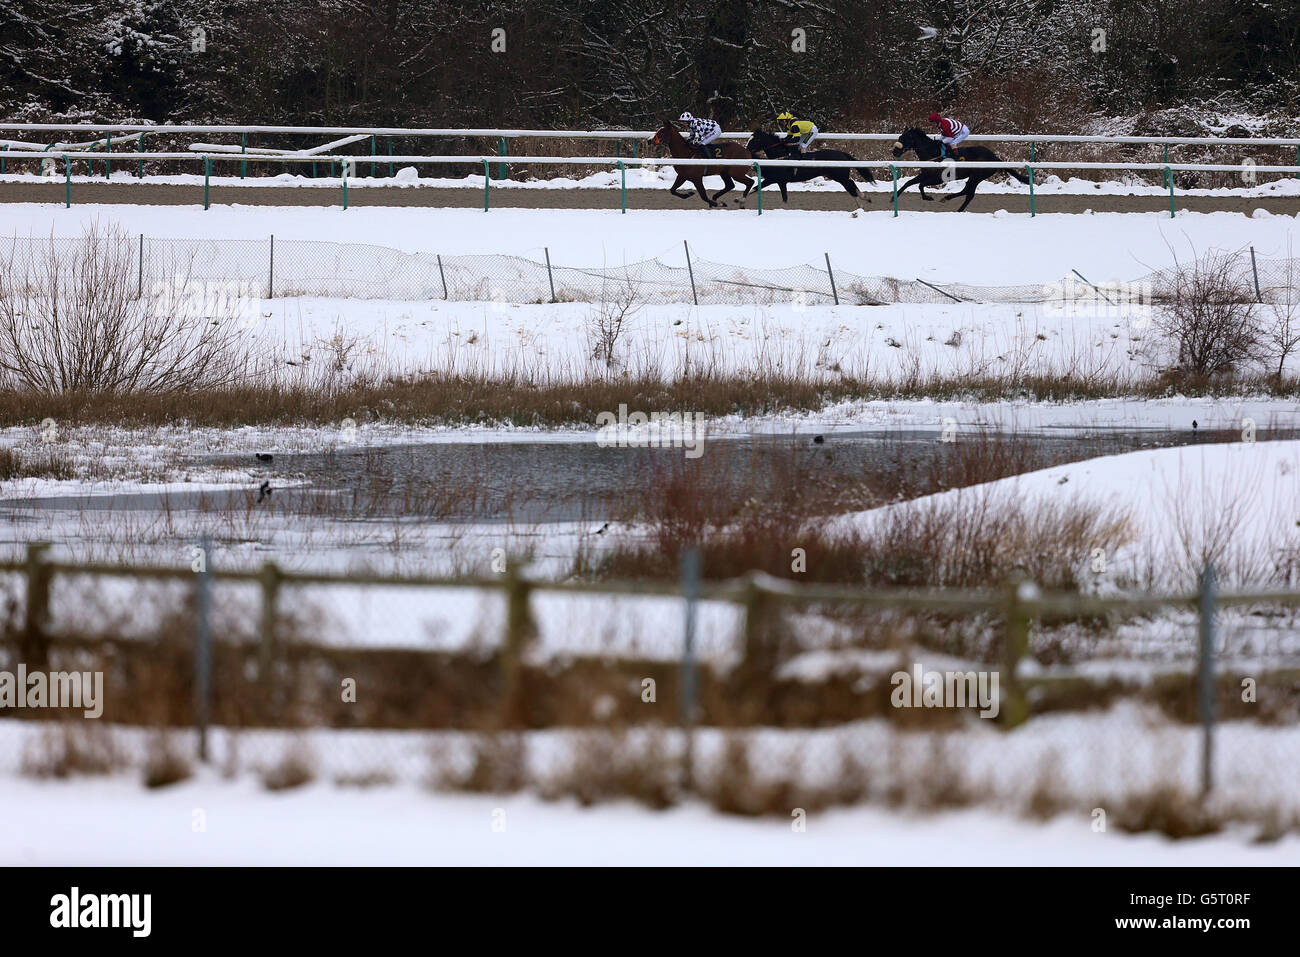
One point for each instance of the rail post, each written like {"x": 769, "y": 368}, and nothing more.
{"x": 270, "y": 582}
{"x": 139, "y": 148}
{"x": 140, "y": 277}
{"x": 37, "y": 614}
{"x": 243, "y": 148}
{"x": 1297, "y": 161}
{"x": 442, "y": 275}
{"x": 831, "y": 273}
{"x": 3, "y": 149}
{"x": 373, "y": 151}
{"x": 270, "y": 276}
{"x": 345, "y": 165}
{"x": 108, "y": 150}
{"x": 487, "y": 186}
{"x": 622, "y": 173}
{"x": 519, "y": 629}
{"x": 549, "y": 279}
{"x": 503, "y": 150}
{"x": 207, "y": 175}
{"x": 1254, "y": 269}
{"x": 1169, "y": 181}
{"x": 690, "y": 271}
{"x": 1032, "y": 212}
{"x": 690, "y": 572}
{"x": 1208, "y": 595}
{"x": 390, "y": 155}
{"x": 203, "y": 650}
{"x": 758, "y": 172}
{"x": 1031, "y": 151}
{"x": 67, "y": 182}
{"x": 1016, "y": 644}
{"x": 894, "y": 172}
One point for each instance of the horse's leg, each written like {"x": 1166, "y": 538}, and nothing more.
{"x": 678, "y": 182}
{"x": 914, "y": 181}
{"x": 698, "y": 182}
{"x": 728, "y": 184}
{"x": 749, "y": 185}
{"x": 785, "y": 197}
{"x": 971, "y": 184}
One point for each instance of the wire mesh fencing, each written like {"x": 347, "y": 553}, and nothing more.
{"x": 755, "y": 695}
{"x": 275, "y": 268}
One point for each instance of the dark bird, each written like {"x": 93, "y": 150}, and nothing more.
{"x": 263, "y": 492}
{"x": 1193, "y": 425}
{"x": 264, "y": 457}
{"x": 818, "y": 440}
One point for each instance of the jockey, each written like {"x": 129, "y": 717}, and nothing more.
{"x": 951, "y": 133}
{"x": 701, "y": 133}
{"x": 800, "y": 133}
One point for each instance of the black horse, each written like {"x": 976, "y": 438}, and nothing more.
{"x": 773, "y": 147}
{"x": 927, "y": 150}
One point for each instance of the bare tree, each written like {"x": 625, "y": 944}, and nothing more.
{"x": 1282, "y": 323}
{"x": 1208, "y": 315}
{"x": 619, "y": 302}
{"x": 73, "y": 317}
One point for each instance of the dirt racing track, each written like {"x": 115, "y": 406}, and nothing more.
{"x": 158, "y": 194}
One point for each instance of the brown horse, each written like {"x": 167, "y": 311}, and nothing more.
{"x": 668, "y": 136}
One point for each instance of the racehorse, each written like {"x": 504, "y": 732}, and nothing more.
{"x": 927, "y": 149}
{"x": 774, "y": 147}
{"x": 667, "y": 135}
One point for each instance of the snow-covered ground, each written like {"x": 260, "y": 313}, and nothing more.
{"x": 115, "y": 822}
{"x": 996, "y": 248}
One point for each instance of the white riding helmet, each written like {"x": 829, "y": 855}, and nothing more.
{"x": 685, "y": 118}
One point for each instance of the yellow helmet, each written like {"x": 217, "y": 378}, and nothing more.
{"x": 786, "y": 116}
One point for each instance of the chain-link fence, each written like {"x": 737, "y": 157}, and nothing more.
{"x": 273, "y": 268}
{"x": 758, "y": 695}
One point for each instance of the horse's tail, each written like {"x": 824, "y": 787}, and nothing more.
{"x": 1019, "y": 175}
{"x": 866, "y": 174}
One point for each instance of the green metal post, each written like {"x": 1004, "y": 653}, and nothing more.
{"x": 894, "y": 170}
{"x": 207, "y": 174}
{"x": 1297, "y": 161}
{"x": 139, "y": 170}
{"x": 634, "y": 152}
{"x": 2, "y": 159}
{"x": 108, "y": 148}
{"x": 313, "y": 170}
{"x": 758, "y": 172}
{"x": 487, "y": 186}
{"x": 67, "y": 182}
{"x": 373, "y": 151}
{"x": 345, "y": 183}
{"x": 1031, "y": 191}
{"x": 243, "y": 148}
{"x": 1169, "y": 179}
{"x": 504, "y": 150}
{"x": 1166, "y": 159}
{"x": 622, "y": 173}
{"x": 618, "y": 149}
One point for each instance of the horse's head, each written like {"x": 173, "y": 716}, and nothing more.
{"x": 663, "y": 134}
{"x": 907, "y": 140}
{"x": 759, "y": 140}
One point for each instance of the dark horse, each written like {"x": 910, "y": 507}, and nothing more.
{"x": 927, "y": 150}
{"x": 668, "y": 136}
{"x": 773, "y": 147}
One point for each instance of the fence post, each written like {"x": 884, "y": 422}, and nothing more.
{"x": 139, "y": 172}
{"x": 1169, "y": 178}
{"x": 373, "y": 151}
{"x": 270, "y": 278}
{"x": 140, "y": 287}
{"x": 67, "y": 182}
{"x": 1031, "y": 151}
{"x": 1032, "y": 211}
{"x": 758, "y": 172}
{"x": 502, "y": 172}
{"x": 691, "y": 272}
{"x": 270, "y": 581}
{"x": 108, "y": 149}
{"x": 3, "y": 148}
{"x": 203, "y": 650}
{"x": 487, "y": 185}
{"x": 894, "y": 171}
{"x": 390, "y": 155}
{"x": 690, "y": 590}
{"x": 345, "y": 165}
{"x": 1205, "y": 675}
{"x": 442, "y": 275}
{"x": 243, "y": 148}
{"x": 622, "y": 172}
{"x": 519, "y": 630}
{"x": 207, "y": 175}
{"x": 1015, "y": 708}
{"x": 1255, "y": 270}
{"x": 831, "y": 273}
{"x": 37, "y": 615}
{"x": 549, "y": 278}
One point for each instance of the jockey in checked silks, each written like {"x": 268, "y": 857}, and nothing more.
{"x": 951, "y": 134}
{"x": 701, "y": 134}
{"x": 799, "y": 134}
